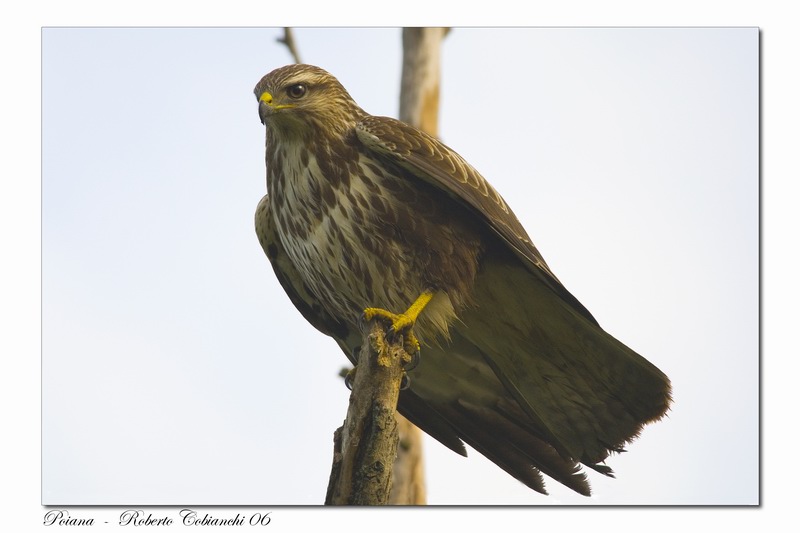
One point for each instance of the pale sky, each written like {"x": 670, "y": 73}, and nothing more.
{"x": 174, "y": 368}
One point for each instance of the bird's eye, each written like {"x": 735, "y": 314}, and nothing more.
{"x": 298, "y": 90}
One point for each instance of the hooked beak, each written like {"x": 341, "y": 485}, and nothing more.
{"x": 266, "y": 108}
{"x": 264, "y": 111}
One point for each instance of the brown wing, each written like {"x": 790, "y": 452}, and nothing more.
{"x": 581, "y": 390}
{"x": 435, "y": 163}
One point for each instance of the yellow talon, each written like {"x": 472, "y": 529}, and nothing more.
{"x": 377, "y": 312}
{"x": 399, "y": 325}
{"x": 402, "y": 323}
{"x": 411, "y": 344}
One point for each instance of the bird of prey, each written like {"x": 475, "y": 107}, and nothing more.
{"x": 366, "y": 213}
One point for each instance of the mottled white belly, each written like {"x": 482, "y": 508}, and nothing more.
{"x": 341, "y": 257}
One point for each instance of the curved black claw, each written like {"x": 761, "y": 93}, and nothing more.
{"x": 362, "y": 322}
{"x": 349, "y": 378}
{"x": 391, "y": 333}
{"x": 411, "y": 365}
{"x": 405, "y": 382}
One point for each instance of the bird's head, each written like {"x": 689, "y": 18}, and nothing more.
{"x": 300, "y": 99}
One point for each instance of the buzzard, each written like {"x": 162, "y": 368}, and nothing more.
{"x": 368, "y": 214}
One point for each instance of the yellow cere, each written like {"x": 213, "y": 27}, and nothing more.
{"x": 266, "y": 97}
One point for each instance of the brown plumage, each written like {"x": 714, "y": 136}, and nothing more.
{"x": 366, "y": 211}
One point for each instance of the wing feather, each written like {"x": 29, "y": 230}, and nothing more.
{"x": 581, "y": 390}
{"x": 431, "y": 161}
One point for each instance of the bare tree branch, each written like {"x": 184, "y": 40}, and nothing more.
{"x": 365, "y": 447}
{"x": 288, "y": 40}
{"x": 419, "y": 84}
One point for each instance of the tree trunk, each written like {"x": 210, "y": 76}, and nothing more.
{"x": 419, "y": 107}
{"x": 365, "y": 447}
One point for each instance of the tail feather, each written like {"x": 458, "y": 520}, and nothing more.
{"x": 581, "y": 389}
{"x": 482, "y": 435}
{"x": 534, "y": 450}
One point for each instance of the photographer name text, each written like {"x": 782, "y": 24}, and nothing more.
{"x": 138, "y": 517}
